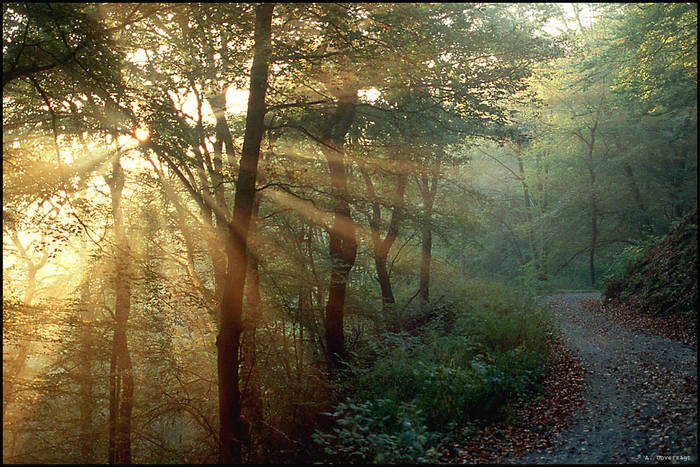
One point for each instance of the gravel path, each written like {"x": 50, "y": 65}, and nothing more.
{"x": 640, "y": 401}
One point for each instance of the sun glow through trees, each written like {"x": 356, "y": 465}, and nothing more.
{"x": 142, "y": 133}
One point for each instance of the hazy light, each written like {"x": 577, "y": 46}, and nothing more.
{"x": 371, "y": 94}
{"x": 236, "y": 103}
{"x": 237, "y": 100}
{"x": 140, "y": 57}
{"x": 142, "y": 133}
{"x": 587, "y": 16}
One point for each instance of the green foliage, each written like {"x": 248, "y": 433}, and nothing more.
{"x": 657, "y": 45}
{"x": 663, "y": 276}
{"x": 627, "y": 259}
{"x": 416, "y": 390}
{"x": 365, "y": 435}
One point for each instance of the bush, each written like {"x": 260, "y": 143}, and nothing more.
{"x": 663, "y": 279}
{"x": 365, "y": 435}
{"x": 408, "y": 392}
{"x": 623, "y": 263}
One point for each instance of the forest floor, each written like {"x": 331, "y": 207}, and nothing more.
{"x": 615, "y": 395}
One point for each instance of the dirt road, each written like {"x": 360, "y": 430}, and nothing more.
{"x": 640, "y": 401}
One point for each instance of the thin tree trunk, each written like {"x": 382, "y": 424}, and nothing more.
{"x": 87, "y": 397}
{"x": 590, "y": 145}
{"x": 426, "y": 255}
{"x": 594, "y": 202}
{"x": 594, "y": 239}
{"x": 211, "y": 299}
{"x": 17, "y": 367}
{"x": 544, "y": 246}
{"x": 677, "y": 170}
{"x": 528, "y": 204}
{"x": 633, "y": 186}
{"x": 228, "y": 341}
{"x": 381, "y": 246}
{"x": 428, "y": 192}
{"x": 120, "y": 374}
{"x": 381, "y": 250}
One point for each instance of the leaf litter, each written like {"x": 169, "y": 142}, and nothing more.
{"x": 616, "y": 393}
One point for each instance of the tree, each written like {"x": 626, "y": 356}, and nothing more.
{"x": 230, "y": 328}
{"x": 121, "y": 380}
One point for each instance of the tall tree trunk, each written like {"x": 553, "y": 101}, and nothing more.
{"x": 251, "y": 393}
{"x": 121, "y": 382}
{"x": 642, "y": 214}
{"x": 341, "y": 236}
{"x": 428, "y": 191}
{"x": 544, "y": 245}
{"x": 594, "y": 240}
{"x": 528, "y": 205}
{"x": 677, "y": 169}
{"x": 342, "y": 244}
{"x": 594, "y": 202}
{"x": 230, "y": 328}
{"x": 426, "y": 256}
{"x": 590, "y": 146}
{"x": 223, "y": 139}
{"x": 19, "y": 365}
{"x": 87, "y": 396}
{"x": 633, "y": 186}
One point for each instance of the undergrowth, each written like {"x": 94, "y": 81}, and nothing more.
{"x": 660, "y": 276}
{"x": 410, "y": 391}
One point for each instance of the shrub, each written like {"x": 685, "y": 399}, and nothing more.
{"x": 366, "y": 435}
{"x": 623, "y": 263}
{"x": 664, "y": 279}
{"x": 408, "y": 392}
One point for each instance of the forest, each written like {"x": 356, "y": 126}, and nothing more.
{"x": 321, "y": 232}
